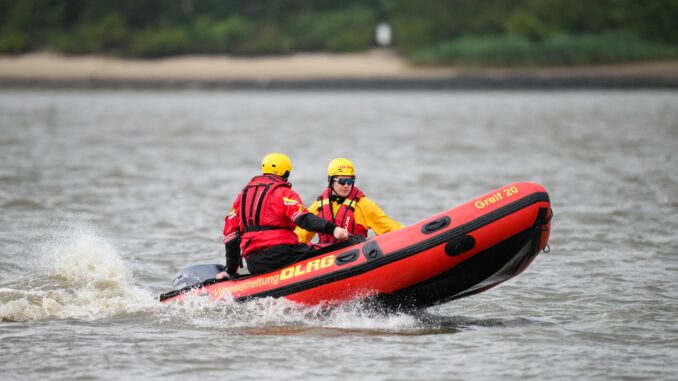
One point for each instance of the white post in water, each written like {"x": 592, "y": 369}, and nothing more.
{"x": 382, "y": 34}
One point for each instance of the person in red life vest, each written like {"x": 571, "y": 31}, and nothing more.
{"x": 261, "y": 224}
{"x": 343, "y": 204}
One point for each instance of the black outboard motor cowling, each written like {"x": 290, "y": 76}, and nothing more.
{"x": 195, "y": 275}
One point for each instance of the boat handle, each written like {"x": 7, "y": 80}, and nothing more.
{"x": 436, "y": 225}
{"x": 372, "y": 251}
{"x": 347, "y": 257}
{"x": 459, "y": 245}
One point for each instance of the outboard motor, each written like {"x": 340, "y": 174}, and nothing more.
{"x": 195, "y": 275}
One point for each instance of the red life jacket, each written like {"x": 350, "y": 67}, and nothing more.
{"x": 263, "y": 222}
{"x": 345, "y": 217}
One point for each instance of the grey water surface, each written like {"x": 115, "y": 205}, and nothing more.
{"x": 104, "y": 195}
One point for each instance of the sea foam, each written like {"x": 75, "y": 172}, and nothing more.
{"x": 79, "y": 275}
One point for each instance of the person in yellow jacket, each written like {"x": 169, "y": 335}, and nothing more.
{"x": 343, "y": 204}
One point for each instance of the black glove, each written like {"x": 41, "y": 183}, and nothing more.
{"x": 233, "y": 259}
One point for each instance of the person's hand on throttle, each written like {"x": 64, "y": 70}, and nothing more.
{"x": 340, "y": 234}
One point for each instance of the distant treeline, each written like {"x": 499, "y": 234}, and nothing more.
{"x": 429, "y": 32}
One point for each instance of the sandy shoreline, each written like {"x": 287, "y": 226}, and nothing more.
{"x": 374, "y": 69}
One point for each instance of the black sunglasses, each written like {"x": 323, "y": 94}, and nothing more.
{"x": 345, "y": 181}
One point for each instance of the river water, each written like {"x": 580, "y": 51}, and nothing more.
{"x": 104, "y": 195}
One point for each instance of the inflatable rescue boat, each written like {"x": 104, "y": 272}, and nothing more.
{"x": 463, "y": 251}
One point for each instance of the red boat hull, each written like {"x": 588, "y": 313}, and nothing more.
{"x": 457, "y": 253}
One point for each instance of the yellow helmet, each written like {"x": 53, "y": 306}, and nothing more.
{"x": 341, "y": 167}
{"x": 277, "y": 164}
